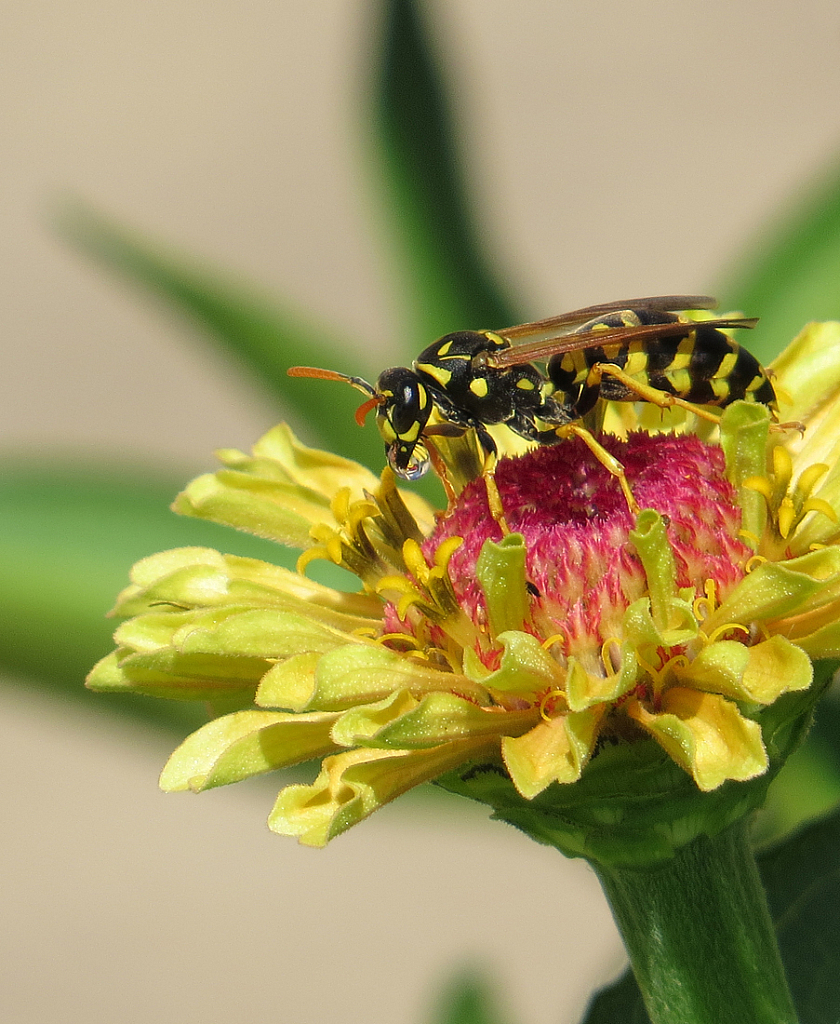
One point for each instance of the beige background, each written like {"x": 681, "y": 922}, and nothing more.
{"x": 618, "y": 149}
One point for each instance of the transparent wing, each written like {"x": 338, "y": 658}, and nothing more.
{"x": 545, "y": 348}
{"x": 566, "y": 322}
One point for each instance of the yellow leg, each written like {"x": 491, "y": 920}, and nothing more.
{"x": 609, "y": 462}
{"x": 439, "y": 466}
{"x": 645, "y": 392}
{"x": 494, "y": 500}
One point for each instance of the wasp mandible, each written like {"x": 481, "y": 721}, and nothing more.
{"x": 627, "y": 351}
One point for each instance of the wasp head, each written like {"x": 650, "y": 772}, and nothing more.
{"x": 404, "y": 409}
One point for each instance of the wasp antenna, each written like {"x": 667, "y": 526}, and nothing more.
{"x": 365, "y": 408}
{"x": 317, "y": 374}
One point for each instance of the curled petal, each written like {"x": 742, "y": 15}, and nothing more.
{"x": 553, "y": 751}
{"x": 583, "y": 689}
{"x": 705, "y": 734}
{"x": 775, "y": 590}
{"x": 243, "y": 744}
{"x": 526, "y": 666}
{"x": 353, "y": 674}
{"x": 403, "y": 722}
{"x": 760, "y": 674}
{"x": 353, "y": 784}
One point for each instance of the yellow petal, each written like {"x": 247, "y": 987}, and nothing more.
{"x": 405, "y": 723}
{"x": 553, "y": 751}
{"x": 760, "y": 673}
{"x": 706, "y": 735}
{"x": 583, "y": 689}
{"x": 776, "y": 590}
{"x": 358, "y": 674}
{"x": 809, "y": 372}
{"x": 526, "y": 666}
{"x": 355, "y": 783}
{"x": 243, "y": 744}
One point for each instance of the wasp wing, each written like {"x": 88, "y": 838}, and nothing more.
{"x": 545, "y": 348}
{"x": 566, "y": 322}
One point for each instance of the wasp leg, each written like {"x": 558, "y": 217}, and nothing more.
{"x": 442, "y": 471}
{"x": 645, "y": 392}
{"x": 609, "y": 462}
{"x": 494, "y": 500}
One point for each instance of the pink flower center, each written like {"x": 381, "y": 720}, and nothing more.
{"x": 581, "y": 565}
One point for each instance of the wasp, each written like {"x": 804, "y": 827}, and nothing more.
{"x": 627, "y": 351}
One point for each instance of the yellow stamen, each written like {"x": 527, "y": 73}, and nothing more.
{"x": 555, "y": 638}
{"x": 311, "y": 555}
{"x": 809, "y": 477}
{"x": 414, "y": 561}
{"x": 818, "y": 505}
{"x": 754, "y": 562}
{"x": 760, "y": 484}
{"x": 340, "y": 504}
{"x": 405, "y": 638}
{"x": 727, "y": 627}
{"x": 544, "y": 701}
{"x": 705, "y": 606}
{"x": 786, "y": 517}
{"x": 607, "y": 660}
{"x": 447, "y": 550}
{"x": 750, "y": 537}
{"x": 782, "y": 469}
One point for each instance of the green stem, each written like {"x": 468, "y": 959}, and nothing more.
{"x": 699, "y": 935}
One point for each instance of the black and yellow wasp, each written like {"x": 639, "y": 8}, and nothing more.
{"x": 629, "y": 351}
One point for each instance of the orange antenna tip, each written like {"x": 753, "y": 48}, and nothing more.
{"x": 365, "y": 407}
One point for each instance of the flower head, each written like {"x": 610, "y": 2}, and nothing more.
{"x": 580, "y": 635}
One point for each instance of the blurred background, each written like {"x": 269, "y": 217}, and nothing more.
{"x": 611, "y": 150}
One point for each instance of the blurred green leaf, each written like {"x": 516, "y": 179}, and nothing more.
{"x": 449, "y": 280}
{"x": 68, "y": 538}
{"x": 802, "y": 877}
{"x": 469, "y": 998}
{"x": 791, "y": 275}
{"x": 264, "y": 338}
{"x": 809, "y": 787}
{"x": 619, "y": 1003}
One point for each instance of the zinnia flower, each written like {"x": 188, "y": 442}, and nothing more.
{"x": 584, "y": 635}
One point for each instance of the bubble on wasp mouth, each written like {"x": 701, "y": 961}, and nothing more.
{"x": 409, "y": 469}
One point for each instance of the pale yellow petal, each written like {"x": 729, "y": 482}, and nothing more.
{"x": 243, "y": 744}
{"x": 355, "y": 783}
{"x": 706, "y": 735}
{"x": 553, "y": 751}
